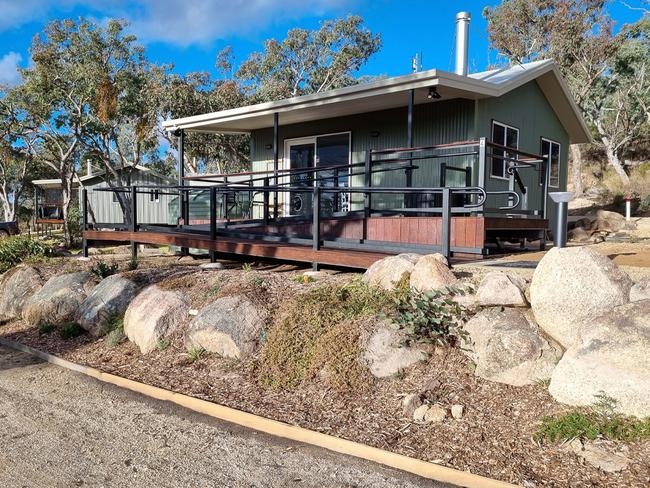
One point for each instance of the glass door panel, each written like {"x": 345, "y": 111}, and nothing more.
{"x": 301, "y": 157}
{"x": 333, "y": 152}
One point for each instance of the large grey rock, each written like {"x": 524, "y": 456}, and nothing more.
{"x": 384, "y": 354}
{"x": 506, "y": 289}
{"x": 570, "y": 285}
{"x": 230, "y": 326}
{"x": 606, "y": 221}
{"x": 16, "y": 286}
{"x": 153, "y": 315}
{"x": 598, "y": 456}
{"x": 58, "y": 301}
{"x": 431, "y": 272}
{"x": 387, "y": 272}
{"x": 108, "y": 300}
{"x": 611, "y": 357}
{"x": 508, "y": 348}
{"x": 641, "y": 290}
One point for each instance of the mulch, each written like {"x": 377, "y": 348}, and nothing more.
{"x": 494, "y": 438}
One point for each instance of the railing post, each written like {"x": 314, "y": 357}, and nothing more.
{"x": 367, "y": 182}
{"x": 482, "y": 162}
{"x": 316, "y": 223}
{"x": 84, "y": 221}
{"x": 213, "y": 224}
{"x": 446, "y": 222}
{"x": 266, "y": 194}
{"x": 134, "y": 220}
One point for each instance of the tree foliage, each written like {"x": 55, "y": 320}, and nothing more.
{"x": 595, "y": 61}
{"x": 310, "y": 61}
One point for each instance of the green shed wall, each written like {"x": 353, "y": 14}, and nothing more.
{"x": 527, "y": 109}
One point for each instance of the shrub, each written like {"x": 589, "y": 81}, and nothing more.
{"x": 103, "y": 270}
{"x": 75, "y": 222}
{"x": 45, "y": 328}
{"x": 247, "y": 267}
{"x": 162, "y": 344}
{"x": 14, "y": 250}
{"x": 431, "y": 317}
{"x": 319, "y": 330}
{"x": 70, "y": 330}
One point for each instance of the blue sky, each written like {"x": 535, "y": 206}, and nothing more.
{"x": 189, "y": 34}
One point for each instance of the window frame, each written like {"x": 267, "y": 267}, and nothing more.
{"x": 551, "y": 142}
{"x": 503, "y": 161}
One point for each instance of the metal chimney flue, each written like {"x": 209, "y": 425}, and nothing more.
{"x": 462, "y": 42}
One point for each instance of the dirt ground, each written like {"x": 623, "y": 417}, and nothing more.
{"x": 62, "y": 429}
{"x": 494, "y": 438}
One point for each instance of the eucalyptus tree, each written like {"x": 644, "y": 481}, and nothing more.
{"x": 579, "y": 36}
{"x": 51, "y": 106}
{"x": 309, "y": 61}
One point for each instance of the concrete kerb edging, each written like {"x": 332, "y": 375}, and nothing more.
{"x": 276, "y": 428}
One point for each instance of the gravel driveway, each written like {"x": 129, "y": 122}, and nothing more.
{"x": 62, "y": 429}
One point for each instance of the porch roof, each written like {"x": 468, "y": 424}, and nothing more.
{"x": 389, "y": 93}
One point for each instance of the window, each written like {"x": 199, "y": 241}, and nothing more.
{"x": 551, "y": 154}
{"x": 154, "y": 196}
{"x": 503, "y": 135}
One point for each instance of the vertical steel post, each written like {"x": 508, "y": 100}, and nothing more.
{"x": 134, "y": 220}
{"x": 367, "y": 181}
{"x": 409, "y": 197}
{"x": 315, "y": 223}
{"x": 213, "y": 223}
{"x": 481, "y": 168}
{"x": 276, "y": 149}
{"x": 84, "y": 221}
{"x": 446, "y": 223}
{"x": 180, "y": 134}
{"x": 265, "y": 196}
{"x": 561, "y": 224}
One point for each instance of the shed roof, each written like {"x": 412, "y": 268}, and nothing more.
{"x": 389, "y": 93}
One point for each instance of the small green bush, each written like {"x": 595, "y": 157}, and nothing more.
{"x": 116, "y": 334}
{"x": 195, "y": 353}
{"x": 14, "y": 250}
{"x": 163, "y": 344}
{"x": 45, "y": 328}
{"x": 103, "y": 270}
{"x": 247, "y": 267}
{"x": 70, "y": 330}
{"x": 431, "y": 317}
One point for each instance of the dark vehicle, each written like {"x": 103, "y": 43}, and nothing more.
{"x": 8, "y": 229}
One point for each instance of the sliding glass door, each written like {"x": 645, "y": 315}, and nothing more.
{"x": 331, "y": 155}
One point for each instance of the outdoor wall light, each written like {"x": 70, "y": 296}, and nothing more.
{"x": 433, "y": 93}
{"x": 269, "y": 146}
{"x": 374, "y": 133}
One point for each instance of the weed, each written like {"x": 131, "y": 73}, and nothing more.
{"x": 302, "y": 279}
{"x": 247, "y": 267}
{"x": 600, "y": 420}
{"x": 162, "y": 344}
{"x": 45, "y": 328}
{"x": 103, "y": 270}
{"x": 257, "y": 281}
{"x": 70, "y": 330}
{"x": 133, "y": 263}
{"x": 195, "y": 353}
{"x": 400, "y": 375}
{"x": 116, "y": 334}
{"x": 212, "y": 291}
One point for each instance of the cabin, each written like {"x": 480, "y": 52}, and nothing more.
{"x": 103, "y": 208}
{"x": 431, "y": 161}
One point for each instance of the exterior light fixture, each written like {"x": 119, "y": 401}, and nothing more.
{"x": 433, "y": 93}
{"x": 374, "y": 133}
{"x": 269, "y": 146}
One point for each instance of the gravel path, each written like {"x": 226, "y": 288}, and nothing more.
{"x": 62, "y": 429}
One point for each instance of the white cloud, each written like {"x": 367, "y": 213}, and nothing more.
{"x": 174, "y": 22}
{"x": 9, "y": 74}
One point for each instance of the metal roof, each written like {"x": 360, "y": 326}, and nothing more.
{"x": 389, "y": 93}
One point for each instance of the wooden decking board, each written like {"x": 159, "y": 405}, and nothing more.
{"x": 228, "y": 245}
